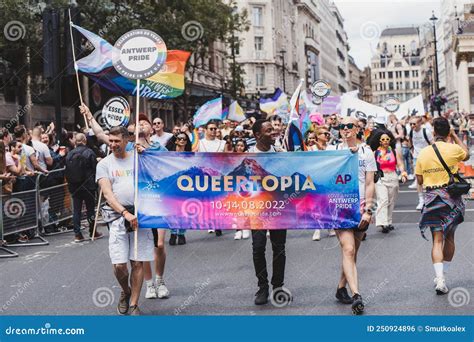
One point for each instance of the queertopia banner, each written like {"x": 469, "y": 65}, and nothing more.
{"x": 297, "y": 190}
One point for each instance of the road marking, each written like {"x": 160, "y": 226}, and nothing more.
{"x": 408, "y": 191}
{"x": 418, "y": 211}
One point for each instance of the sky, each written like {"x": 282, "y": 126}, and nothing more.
{"x": 365, "y": 20}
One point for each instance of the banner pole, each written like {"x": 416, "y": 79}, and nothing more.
{"x": 137, "y": 131}
{"x": 75, "y": 65}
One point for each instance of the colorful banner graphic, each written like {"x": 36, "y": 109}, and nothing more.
{"x": 297, "y": 190}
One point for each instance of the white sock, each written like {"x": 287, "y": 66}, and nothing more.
{"x": 159, "y": 280}
{"x": 446, "y": 265}
{"x": 421, "y": 198}
{"x": 438, "y": 267}
{"x": 149, "y": 282}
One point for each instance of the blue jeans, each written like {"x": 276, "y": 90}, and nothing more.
{"x": 407, "y": 159}
{"x": 178, "y": 231}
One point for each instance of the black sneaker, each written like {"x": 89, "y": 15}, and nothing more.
{"x": 343, "y": 296}
{"x": 391, "y": 227}
{"x": 135, "y": 311}
{"x": 261, "y": 297}
{"x": 173, "y": 239}
{"x": 385, "y": 229}
{"x": 218, "y": 232}
{"x": 357, "y": 304}
{"x": 124, "y": 303}
{"x": 181, "y": 240}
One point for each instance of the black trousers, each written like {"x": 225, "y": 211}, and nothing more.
{"x": 78, "y": 197}
{"x": 259, "y": 242}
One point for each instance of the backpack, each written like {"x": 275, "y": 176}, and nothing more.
{"x": 425, "y": 135}
{"x": 77, "y": 166}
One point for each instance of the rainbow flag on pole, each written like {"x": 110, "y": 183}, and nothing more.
{"x": 168, "y": 83}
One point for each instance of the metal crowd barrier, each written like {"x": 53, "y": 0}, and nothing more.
{"x": 20, "y": 214}
{"x": 55, "y": 204}
{"x": 9, "y": 253}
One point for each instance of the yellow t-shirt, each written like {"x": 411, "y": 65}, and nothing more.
{"x": 429, "y": 166}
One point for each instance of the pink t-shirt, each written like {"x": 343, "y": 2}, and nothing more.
{"x": 387, "y": 161}
{"x": 9, "y": 160}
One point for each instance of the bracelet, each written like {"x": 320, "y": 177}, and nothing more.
{"x": 125, "y": 210}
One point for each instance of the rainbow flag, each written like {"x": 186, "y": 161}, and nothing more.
{"x": 194, "y": 140}
{"x": 168, "y": 83}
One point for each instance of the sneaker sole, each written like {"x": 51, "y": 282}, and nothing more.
{"x": 440, "y": 293}
{"x": 358, "y": 309}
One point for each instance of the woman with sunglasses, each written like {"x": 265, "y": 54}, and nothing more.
{"x": 387, "y": 157}
{"x": 240, "y": 146}
{"x": 179, "y": 143}
{"x": 321, "y": 140}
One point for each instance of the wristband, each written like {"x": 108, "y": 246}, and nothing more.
{"x": 368, "y": 211}
{"x": 123, "y": 211}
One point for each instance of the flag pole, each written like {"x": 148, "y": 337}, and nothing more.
{"x": 137, "y": 111}
{"x": 75, "y": 65}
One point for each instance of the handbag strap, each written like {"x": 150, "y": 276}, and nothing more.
{"x": 451, "y": 175}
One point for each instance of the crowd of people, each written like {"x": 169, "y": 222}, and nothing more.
{"x": 390, "y": 151}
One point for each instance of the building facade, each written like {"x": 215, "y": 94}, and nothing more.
{"x": 395, "y": 68}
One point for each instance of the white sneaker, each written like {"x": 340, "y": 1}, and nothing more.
{"x": 411, "y": 177}
{"x": 413, "y": 185}
{"x": 420, "y": 205}
{"x": 238, "y": 235}
{"x": 268, "y": 233}
{"x": 332, "y": 232}
{"x": 150, "y": 292}
{"x": 441, "y": 287}
{"x": 163, "y": 291}
{"x": 317, "y": 235}
{"x": 210, "y": 231}
{"x": 245, "y": 234}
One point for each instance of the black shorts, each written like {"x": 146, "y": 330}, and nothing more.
{"x": 155, "y": 236}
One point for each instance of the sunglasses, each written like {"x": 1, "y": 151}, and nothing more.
{"x": 343, "y": 126}
{"x": 213, "y": 129}
{"x": 412, "y": 124}
{"x": 157, "y": 123}
{"x": 325, "y": 133}
{"x": 181, "y": 138}
{"x": 384, "y": 139}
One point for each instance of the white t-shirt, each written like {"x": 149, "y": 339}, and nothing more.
{"x": 42, "y": 152}
{"x": 215, "y": 145}
{"x": 120, "y": 174}
{"x": 366, "y": 164}
{"x": 26, "y": 152}
{"x": 163, "y": 140}
{"x": 419, "y": 141}
{"x": 254, "y": 149}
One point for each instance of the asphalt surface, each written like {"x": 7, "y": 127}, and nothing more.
{"x": 214, "y": 275}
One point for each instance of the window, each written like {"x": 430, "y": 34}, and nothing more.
{"x": 257, "y": 16}
{"x": 407, "y": 73}
{"x": 415, "y": 73}
{"x": 260, "y": 76}
{"x": 313, "y": 66}
{"x": 390, "y": 74}
{"x": 398, "y": 64}
{"x": 407, "y": 85}
{"x": 390, "y": 85}
{"x": 258, "y": 43}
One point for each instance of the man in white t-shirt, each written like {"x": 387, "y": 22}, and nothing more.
{"x": 211, "y": 144}
{"x": 350, "y": 239}
{"x": 160, "y": 135}
{"x": 42, "y": 151}
{"x": 28, "y": 154}
{"x": 115, "y": 177}
{"x": 419, "y": 137}
{"x": 277, "y": 124}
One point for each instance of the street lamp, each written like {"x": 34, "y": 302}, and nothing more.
{"x": 283, "y": 51}
{"x": 434, "y": 19}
